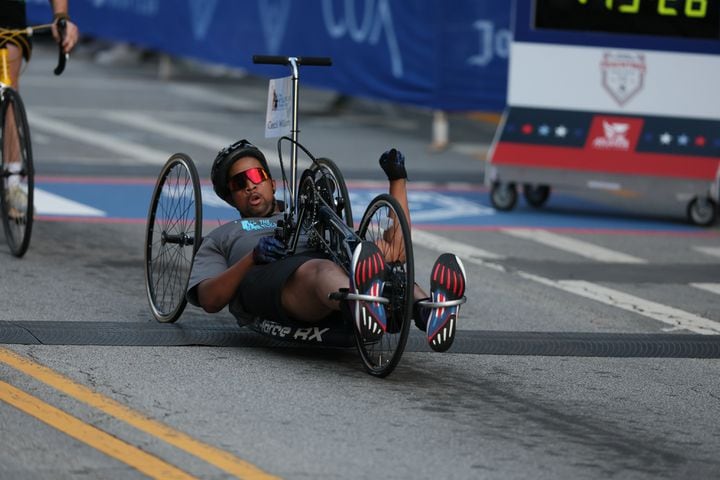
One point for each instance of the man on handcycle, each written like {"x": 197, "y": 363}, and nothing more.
{"x": 243, "y": 265}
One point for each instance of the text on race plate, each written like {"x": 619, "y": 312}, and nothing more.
{"x": 278, "y": 119}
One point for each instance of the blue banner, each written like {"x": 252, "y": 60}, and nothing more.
{"x": 432, "y": 53}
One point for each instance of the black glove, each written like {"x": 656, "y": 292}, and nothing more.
{"x": 393, "y": 163}
{"x": 268, "y": 250}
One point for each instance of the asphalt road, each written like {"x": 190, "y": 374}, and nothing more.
{"x": 582, "y": 272}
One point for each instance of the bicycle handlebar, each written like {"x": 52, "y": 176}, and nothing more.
{"x": 280, "y": 60}
{"x": 41, "y": 29}
{"x": 62, "y": 56}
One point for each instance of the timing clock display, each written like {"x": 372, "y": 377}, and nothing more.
{"x": 674, "y": 18}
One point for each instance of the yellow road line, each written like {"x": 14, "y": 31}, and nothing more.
{"x": 109, "y": 445}
{"x": 212, "y": 455}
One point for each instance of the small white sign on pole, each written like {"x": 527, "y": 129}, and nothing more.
{"x": 278, "y": 119}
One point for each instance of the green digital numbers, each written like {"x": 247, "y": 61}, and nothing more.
{"x": 692, "y": 8}
{"x": 696, "y": 8}
{"x": 634, "y": 7}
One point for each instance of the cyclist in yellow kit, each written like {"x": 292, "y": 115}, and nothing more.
{"x": 13, "y": 16}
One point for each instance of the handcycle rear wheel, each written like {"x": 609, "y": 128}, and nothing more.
{"x": 381, "y": 356}
{"x": 173, "y": 235}
{"x": 18, "y": 175}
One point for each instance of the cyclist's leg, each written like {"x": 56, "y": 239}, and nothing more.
{"x": 14, "y": 63}
{"x": 305, "y": 294}
{"x": 11, "y": 145}
{"x": 11, "y": 142}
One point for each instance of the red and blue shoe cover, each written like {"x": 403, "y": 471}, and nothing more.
{"x": 368, "y": 278}
{"x": 447, "y": 282}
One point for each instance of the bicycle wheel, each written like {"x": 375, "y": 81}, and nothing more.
{"x": 173, "y": 235}
{"x": 17, "y": 189}
{"x": 383, "y": 222}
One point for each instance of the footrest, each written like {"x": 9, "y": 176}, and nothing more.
{"x": 347, "y": 295}
{"x": 445, "y": 304}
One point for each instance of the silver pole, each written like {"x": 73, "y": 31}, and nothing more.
{"x": 294, "y": 132}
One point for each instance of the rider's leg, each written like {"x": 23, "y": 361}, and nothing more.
{"x": 305, "y": 294}
{"x": 14, "y": 63}
{"x": 16, "y": 197}
{"x": 11, "y": 148}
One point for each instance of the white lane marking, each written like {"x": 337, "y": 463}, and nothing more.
{"x": 210, "y": 97}
{"x": 572, "y": 245}
{"x": 47, "y": 203}
{"x": 708, "y": 287}
{"x": 45, "y": 81}
{"x": 188, "y": 92}
{"x": 442, "y": 244}
{"x": 712, "y": 251}
{"x": 145, "y": 122}
{"x": 679, "y": 319}
{"x": 105, "y": 141}
{"x": 188, "y": 135}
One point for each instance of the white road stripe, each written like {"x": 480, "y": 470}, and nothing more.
{"x": 211, "y": 97}
{"x": 578, "y": 247}
{"x": 145, "y": 122}
{"x": 190, "y": 135}
{"x": 47, "y": 203}
{"x": 708, "y": 287}
{"x": 712, "y": 251}
{"x": 188, "y": 92}
{"x": 442, "y": 244}
{"x": 108, "y": 142}
{"x": 679, "y": 319}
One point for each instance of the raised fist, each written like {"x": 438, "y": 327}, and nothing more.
{"x": 393, "y": 163}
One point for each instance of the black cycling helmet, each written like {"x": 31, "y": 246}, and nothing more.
{"x": 226, "y": 158}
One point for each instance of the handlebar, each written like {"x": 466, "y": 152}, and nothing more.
{"x": 41, "y": 29}
{"x": 62, "y": 56}
{"x": 280, "y": 60}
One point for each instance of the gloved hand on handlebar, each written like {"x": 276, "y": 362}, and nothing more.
{"x": 393, "y": 163}
{"x": 268, "y": 250}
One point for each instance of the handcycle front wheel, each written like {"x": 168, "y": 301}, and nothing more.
{"x": 330, "y": 185}
{"x": 173, "y": 235}
{"x": 320, "y": 184}
{"x": 384, "y": 222}
{"x": 17, "y": 188}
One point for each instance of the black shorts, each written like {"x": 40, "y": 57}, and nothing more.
{"x": 260, "y": 292}
{"x": 12, "y": 15}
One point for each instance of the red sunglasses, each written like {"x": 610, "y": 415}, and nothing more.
{"x": 256, "y": 175}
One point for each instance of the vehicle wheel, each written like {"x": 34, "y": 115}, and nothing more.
{"x": 173, "y": 235}
{"x": 384, "y": 220}
{"x": 17, "y": 189}
{"x": 702, "y": 211}
{"x": 536, "y": 195}
{"x": 503, "y": 196}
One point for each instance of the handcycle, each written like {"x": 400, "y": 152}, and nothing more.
{"x": 18, "y": 171}
{"x": 318, "y": 213}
